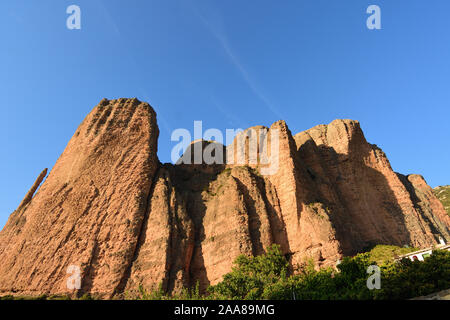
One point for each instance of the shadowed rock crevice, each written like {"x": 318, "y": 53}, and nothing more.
{"x": 141, "y": 240}
{"x": 255, "y": 215}
{"x": 193, "y": 185}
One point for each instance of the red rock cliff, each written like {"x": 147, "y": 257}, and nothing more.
{"x": 109, "y": 207}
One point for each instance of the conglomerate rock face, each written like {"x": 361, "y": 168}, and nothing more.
{"x": 90, "y": 209}
{"x": 110, "y": 209}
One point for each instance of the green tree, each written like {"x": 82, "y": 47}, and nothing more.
{"x": 252, "y": 277}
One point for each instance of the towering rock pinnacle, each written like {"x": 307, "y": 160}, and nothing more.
{"x": 111, "y": 211}
{"x": 90, "y": 209}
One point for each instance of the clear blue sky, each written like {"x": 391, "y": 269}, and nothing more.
{"x": 231, "y": 64}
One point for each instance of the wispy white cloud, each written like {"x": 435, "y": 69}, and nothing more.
{"x": 232, "y": 120}
{"x": 109, "y": 18}
{"x": 133, "y": 62}
{"x": 223, "y": 41}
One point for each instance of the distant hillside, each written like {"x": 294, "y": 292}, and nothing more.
{"x": 443, "y": 194}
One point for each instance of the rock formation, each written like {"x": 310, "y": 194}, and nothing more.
{"x": 109, "y": 208}
{"x": 90, "y": 210}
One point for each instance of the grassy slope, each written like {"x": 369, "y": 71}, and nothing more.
{"x": 443, "y": 194}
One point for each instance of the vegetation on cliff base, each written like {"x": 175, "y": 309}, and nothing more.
{"x": 443, "y": 194}
{"x": 266, "y": 277}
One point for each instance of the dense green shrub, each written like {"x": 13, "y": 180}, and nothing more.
{"x": 267, "y": 277}
{"x": 252, "y": 277}
{"x": 399, "y": 280}
{"x": 408, "y": 279}
{"x": 348, "y": 282}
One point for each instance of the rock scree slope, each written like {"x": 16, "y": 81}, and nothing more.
{"x": 111, "y": 209}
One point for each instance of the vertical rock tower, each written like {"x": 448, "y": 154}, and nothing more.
{"x": 90, "y": 210}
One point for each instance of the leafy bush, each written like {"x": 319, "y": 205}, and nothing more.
{"x": 399, "y": 280}
{"x": 267, "y": 277}
{"x": 409, "y": 279}
{"x": 252, "y": 277}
